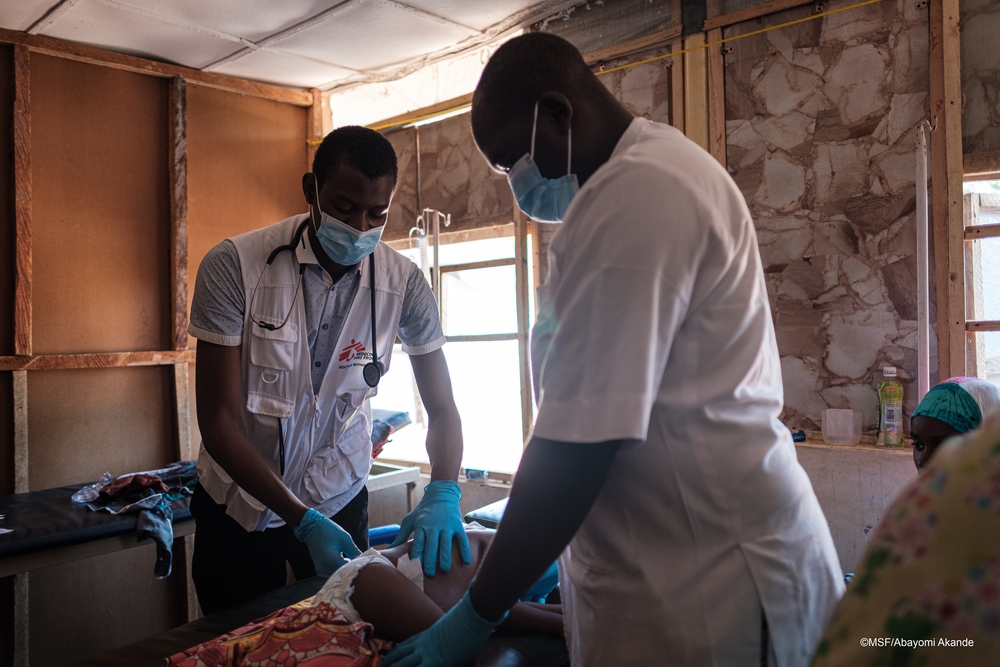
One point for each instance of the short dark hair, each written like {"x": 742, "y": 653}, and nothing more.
{"x": 527, "y": 66}
{"x": 366, "y": 150}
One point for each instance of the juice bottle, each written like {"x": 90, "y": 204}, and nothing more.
{"x": 890, "y": 409}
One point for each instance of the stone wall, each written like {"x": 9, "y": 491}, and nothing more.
{"x": 980, "y": 25}
{"x": 820, "y": 121}
{"x": 454, "y": 178}
{"x": 821, "y": 131}
{"x": 644, "y": 89}
{"x": 821, "y": 128}
{"x": 403, "y": 211}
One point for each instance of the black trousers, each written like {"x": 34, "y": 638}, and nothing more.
{"x": 231, "y": 565}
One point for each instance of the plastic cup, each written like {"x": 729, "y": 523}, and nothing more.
{"x": 841, "y": 427}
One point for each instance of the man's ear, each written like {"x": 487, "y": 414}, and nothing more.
{"x": 309, "y": 187}
{"x": 557, "y": 108}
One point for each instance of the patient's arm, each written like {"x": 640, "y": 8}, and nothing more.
{"x": 396, "y": 607}
{"x": 532, "y": 617}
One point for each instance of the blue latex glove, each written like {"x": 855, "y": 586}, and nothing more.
{"x": 543, "y": 586}
{"x": 434, "y": 522}
{"x": 326, "y": 541}
{"x": 451, "y": 642}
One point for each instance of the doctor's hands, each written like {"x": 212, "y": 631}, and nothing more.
{"x": 451, "y": 642}
{"x": 328, "y": 543}
{"x": 434, "y": 522}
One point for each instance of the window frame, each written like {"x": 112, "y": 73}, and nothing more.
{"x": 524, "y": 231}
{"x": 968, "y": 297}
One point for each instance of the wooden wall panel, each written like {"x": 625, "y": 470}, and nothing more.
{"x": 98, "y": 604}
{"x": 101, "y": 209}
{"x": 7, "y": 622}
{"x": 246, "y": 157}
{"x": 6, "y": 203}
{"x": 193, "y": 414}
{"x": 83, "y": 422}
{"x": 22, "y": 209}
{"x": 6, "y": 434}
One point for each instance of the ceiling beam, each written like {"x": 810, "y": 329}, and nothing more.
{"x": 515, "y": 21}
{"x": 156, "y": 16}
{"x": 236, "y": 55}
{"x": 325, "y": 15}
{"x": 286, "y": 32}
{"x": 54, "y": 12}
{"x": 402, "y": 6}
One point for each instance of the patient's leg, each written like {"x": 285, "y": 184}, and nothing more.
{"x": 392, "y": 603}
{"x": 398, "y": 609}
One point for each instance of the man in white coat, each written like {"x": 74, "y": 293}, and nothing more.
{"x": 689, "y": 534}
{"x": 295, "y": 325}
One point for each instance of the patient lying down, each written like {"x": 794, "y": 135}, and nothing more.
{"x": 389, "y": 591}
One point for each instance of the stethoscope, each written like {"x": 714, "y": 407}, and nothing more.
{"x": 372, "y": 371}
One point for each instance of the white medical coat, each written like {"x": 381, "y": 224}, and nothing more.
{"x": 655, "y": 328}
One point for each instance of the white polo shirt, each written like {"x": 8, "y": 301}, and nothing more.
{"x": 655, "y": 328}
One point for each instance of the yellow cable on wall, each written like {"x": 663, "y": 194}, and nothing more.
{"x": 645, "y": 61}
{"x": 735, "y": 37}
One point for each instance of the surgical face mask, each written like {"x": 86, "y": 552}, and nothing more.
{"x": 541, "y": 198}
{"x": 342, "y": 243}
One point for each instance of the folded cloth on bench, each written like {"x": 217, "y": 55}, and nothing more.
{"x": 149, "y": 493}
{"x": 299, "y": 634}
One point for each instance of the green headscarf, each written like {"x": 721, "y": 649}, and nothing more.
{"x": 949, "y": 403}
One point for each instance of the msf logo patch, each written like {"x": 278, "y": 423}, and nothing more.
{"x": 352, "y": 351}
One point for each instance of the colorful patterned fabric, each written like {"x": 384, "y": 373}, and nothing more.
{"x": 927, "y": 591}
{"x": 950, "y": 403}
{"x": 297, "y": 635}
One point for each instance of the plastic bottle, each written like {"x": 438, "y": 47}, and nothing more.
{"x": 890, "y": 409}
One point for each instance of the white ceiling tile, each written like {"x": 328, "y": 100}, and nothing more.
{"x": 20, "y": 14}
{"x": 478, "y": 14}
{"x": 325, "y": 41}
{"x": 110, "y": 27}
{"x": 271, "y": 67}
{"x": 250, "y": 19}
{"x": 368, "y": 34}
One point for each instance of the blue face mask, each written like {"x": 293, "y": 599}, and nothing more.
{"x": 342, "y": 243}
{"x": 544, "y": 199}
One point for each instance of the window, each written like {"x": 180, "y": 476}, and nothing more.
{"x": 982, "y": 278}
{"x": 486, "y": 315}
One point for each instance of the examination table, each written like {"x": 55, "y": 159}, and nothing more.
{"x": 504, "y": 649}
